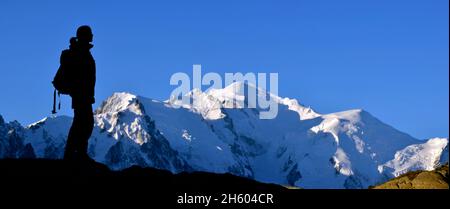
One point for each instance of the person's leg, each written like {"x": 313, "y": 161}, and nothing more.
{"x": 71, "y": 148}
{"x": 86, "y": 126}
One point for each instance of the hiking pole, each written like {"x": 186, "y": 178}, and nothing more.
{"x": 54, "y": 102}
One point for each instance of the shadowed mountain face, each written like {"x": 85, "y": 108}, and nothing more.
{"x": 12, "y": 145}
{"x": 302, "y": 148}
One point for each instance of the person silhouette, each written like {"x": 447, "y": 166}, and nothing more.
{"x": 81, "y": 63}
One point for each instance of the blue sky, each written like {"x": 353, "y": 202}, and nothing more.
{"x": 388, "y": 57}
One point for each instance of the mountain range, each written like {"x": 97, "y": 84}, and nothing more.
{"x": 299, "y": 147}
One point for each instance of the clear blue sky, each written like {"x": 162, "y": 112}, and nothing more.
{"x": 388, "y": 57}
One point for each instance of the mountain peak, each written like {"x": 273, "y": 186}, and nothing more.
{"x": 299, "y": 147}
{"x": 117, "y": 102}
{"x": 240, "y": 87}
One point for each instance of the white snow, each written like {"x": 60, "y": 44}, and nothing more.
{"x": 186, "y": 135}
{"x": 417, "y": 157}
{"x": 216, "y": 134}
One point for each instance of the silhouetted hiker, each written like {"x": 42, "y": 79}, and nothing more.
{"x": 77, "y": 78}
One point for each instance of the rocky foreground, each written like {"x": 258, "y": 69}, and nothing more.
{"x": 436, "y": 179}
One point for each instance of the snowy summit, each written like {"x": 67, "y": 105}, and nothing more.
{"x": 300, "y": 147}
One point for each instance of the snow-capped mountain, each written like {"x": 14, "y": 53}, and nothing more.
{"x": 300, "y": 147}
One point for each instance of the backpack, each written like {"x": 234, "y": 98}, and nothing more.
{"x": 62, "y": 82}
